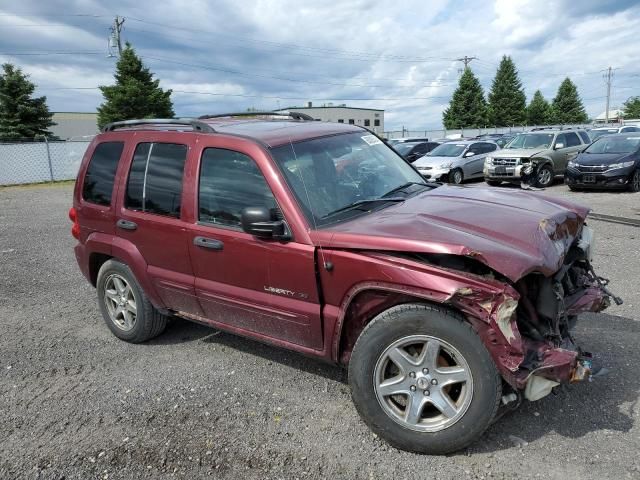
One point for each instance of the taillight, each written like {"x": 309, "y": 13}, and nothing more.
{"x": 75, "y": 229}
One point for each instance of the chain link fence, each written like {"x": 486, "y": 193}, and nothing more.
{"x": 28, "y": 161}
{"x": 470, "y": 132}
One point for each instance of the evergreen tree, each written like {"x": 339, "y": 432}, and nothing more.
{"x": 21, "y": 116}
{"x": 135, "y": 95}
{"x": 567, "y": 107}
{"x": 507, "y": 102}
{"x": 539, "y": 110}
{"x": 631, "y": 108}
{"x": 468, "y": 108}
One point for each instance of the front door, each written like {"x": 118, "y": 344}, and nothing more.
{"x": 149, "y": 216}
{"x": 262, "y": 287}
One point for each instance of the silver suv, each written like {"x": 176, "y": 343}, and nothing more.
{"x": 535, "y": 157}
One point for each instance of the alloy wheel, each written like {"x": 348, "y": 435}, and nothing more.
{"x": 120, "y": 302}
{"x": 423, "y": 383}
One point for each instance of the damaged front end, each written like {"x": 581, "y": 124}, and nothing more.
{"x": 529, "y": 326}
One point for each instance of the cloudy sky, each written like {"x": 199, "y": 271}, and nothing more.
{"x": 222, "y": 56}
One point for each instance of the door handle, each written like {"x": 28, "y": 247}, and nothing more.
{"x": 126, "y": 224}
{"x": 210, "y": 243}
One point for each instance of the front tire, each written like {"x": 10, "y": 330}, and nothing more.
{"x": 125, "y": 308}
{"x": 456, "y": 176}
{"x": 544, "y": 176}
{"x": 634, "y": 185}
{"x": 422, "y": 379}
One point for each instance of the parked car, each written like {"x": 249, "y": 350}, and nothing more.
{"x": 456, "y": 161}
{"x": 411, "y": 151}
{"x": 317, "y": 237}
{"x": 612, "y": 161}
{"x": 394, "y": 141}
{"x": 536, "y": 157}
{"x": 596, "y": 133}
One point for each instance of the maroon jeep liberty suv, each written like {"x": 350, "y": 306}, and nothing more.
{"x": 444, "y": 302}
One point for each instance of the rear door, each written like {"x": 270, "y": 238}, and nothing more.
{"x": 150, "y": 216}
{"x": 473, "y": 165}
{"x": 266, "y": 288}
{"x": 572, "y": 146}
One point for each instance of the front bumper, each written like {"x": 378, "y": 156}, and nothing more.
{"x": 617, "y": 178}
{"x": 435, "y": 174}
{"x": 503, "y": 173}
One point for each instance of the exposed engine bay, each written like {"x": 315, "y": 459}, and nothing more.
{"x": 535, "y": 317}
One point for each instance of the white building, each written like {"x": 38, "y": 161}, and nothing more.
{"x": 370, "y": 118}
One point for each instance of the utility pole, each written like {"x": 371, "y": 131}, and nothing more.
{"x": 608, "y": 78}
{"x": 466, "y": 60}
{"x": 115, "y": 39}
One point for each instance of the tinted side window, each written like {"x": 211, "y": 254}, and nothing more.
{"x": 155, "y": 178}
{"x": 572, "y": 139}
{"x": 229, "y": 182}
{"x": 585, "y": 137}
{"x": 476, "y": 148}
{"x": 490, "y": 147}
{"x": 561, "y": 139}
{"x": 421, "y": 149}
{"x": 101, "y": 172}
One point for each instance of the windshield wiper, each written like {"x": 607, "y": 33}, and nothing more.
{"x": 402, "y": 187}
{"x": 360, "y": 203}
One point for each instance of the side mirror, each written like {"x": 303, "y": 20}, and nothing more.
{"x": 469, "y": 154}
{"x": 558, "y": 146}
{"x": 259, "y": 222}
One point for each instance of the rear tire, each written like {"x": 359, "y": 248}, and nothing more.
{"x": 437, "y": 365}
{"x": 634, "y": 185}
{"x": 493, "y": 183}
{"x": 125, "y": 308}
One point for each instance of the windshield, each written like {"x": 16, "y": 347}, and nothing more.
{"x": 531, "y": 140}
{"x": 328, "y": 174}
{"x": 616, "y": 144}
{"x": 448, "y": 150}
{"x": 598, "y": 133}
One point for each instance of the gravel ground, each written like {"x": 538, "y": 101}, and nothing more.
{"x": 75, "y": 402}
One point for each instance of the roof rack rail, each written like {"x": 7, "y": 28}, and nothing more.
{"x": 196, "y": 124}
{"x": 294, "y": 115}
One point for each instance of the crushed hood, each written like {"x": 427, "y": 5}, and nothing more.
{"x": 513, "y": 232}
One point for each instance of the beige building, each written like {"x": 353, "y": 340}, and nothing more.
{"x": 370, "y": 118}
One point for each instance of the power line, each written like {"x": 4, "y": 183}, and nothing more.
{"x": 217, "y": 94}
{"x": 297, "y": 80}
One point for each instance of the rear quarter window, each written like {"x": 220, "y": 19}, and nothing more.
{"x": 101, "y": 172}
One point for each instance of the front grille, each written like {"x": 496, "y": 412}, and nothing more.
{"x": 593, "y": 168}
{"x": 505, "y": 161}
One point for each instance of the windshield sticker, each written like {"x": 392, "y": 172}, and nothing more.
{"x": 371, "y": 140}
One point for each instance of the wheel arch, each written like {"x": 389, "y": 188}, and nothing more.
{"x": 365, "y": 302}
{"x": 104, "y": 247}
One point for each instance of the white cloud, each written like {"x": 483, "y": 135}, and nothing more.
{"x": 403, "y": 54}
